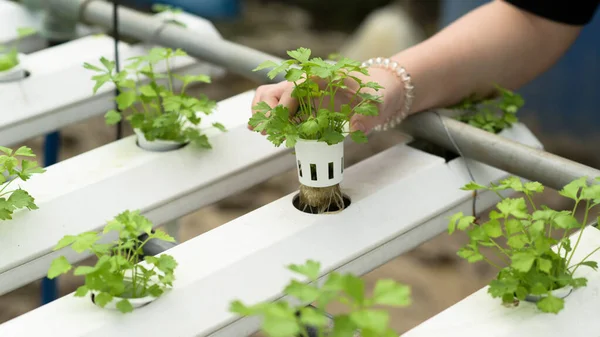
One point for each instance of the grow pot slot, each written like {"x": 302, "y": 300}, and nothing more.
{"x": 170, "y": 147}
{"x": 314, "y": 210}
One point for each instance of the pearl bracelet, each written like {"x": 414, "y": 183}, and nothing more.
{"x": 399, "y": 71}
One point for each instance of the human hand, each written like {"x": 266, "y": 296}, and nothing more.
{"x": 392, "y": 97}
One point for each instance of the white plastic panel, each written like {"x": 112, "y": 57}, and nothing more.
{"x": 14, "y": 16}
{"x": 481, "y": 315}
{"x": 82, "y": 193}
{"x": 392, "y": 211}
{"x": 59, "y": 90}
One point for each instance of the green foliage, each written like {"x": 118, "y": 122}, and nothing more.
{"x": 118, "y": 272}
{"x": 534, "y": 267}
{"x": 162, "y": 114}
{"x": 492, "y": 115}
{"x": 282, "y": 319}
{"x": 12, "y": 168}
{"x": 10, "y": 58}
{"x": 173, "y": 11}
{"x": 316, "y": 83}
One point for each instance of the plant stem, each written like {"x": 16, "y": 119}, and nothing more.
{"x": 585, "y": 258}
{"x": 587, "y": 210}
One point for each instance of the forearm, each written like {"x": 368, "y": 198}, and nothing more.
{"x": 495, "y": 44}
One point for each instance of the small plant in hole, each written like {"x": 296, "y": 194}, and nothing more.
{"x": 10, "y": 59}
{"x": 12, "y": 168}
{"x": 494, "y": 114}
{"x": 363, "y": 317}
{"x": 534, "y": 268}
{"x": 171, "y": 10}
{"x": 319, "y": 118}
{"x": 163, "y": 113}
{"x": 122, "y": 272}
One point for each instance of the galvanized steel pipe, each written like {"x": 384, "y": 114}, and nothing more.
{"x": 551, "y": 170}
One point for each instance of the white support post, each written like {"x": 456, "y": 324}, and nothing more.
{"x": 392, "y": 211}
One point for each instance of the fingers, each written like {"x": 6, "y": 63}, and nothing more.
{"x": 275, "y": 94}
{"x": 362, "y": 123}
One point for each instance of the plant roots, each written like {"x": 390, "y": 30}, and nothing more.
{"x": 320, "y": 200}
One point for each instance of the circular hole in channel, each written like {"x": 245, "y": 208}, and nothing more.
{"x": 313, "y": 210}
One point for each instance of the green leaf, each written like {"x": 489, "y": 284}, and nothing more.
{"x": 310, "y": 269}
{"x": 522, "y": 261}
{"x": 355, "y": 288}
{"x": 112, "y": 117}
{"x": 21, "y": 199}
{"x": 332, "y": 137}
{"x": 24, "y": 151}
{"x": 304, "y": 292}
{"x": 219, "y": 126}
{"x": 566, "y": 221}
{"x": 126, "y": 99}
{"x": 551, "y": 304}
{"x": 545, "y": 265}
{"x": 374, "y": 320}
{"x": 6, "y": 150}
{"x": 300, "y": 54}
{"x": 538, "y": 289}
{"x": 309, "y": 316}
{"x": 265, "y": 65}
{"x": 452, "y": 222}
{"x": 389, "y": 292}
{"x": 161, "y": 235}
{"x": 470, "y": 255}
{"x": 492, "y": 228}
{"x": 294, "y": 74}
{"x": 472, "y": 186}
{"x": 517, "y": 241}
{"x": 65, "y": 241}
{"x": 591, "y": 264}
{"x": 81, "y": 291}
{"x": 571, "y": 190}
{"x": 366, "y": 109}
{"x": 25, "y": 31}
{"x": 102, "y": 299}
{"x": 59, "y": 266}
{"x": 124, "y": 306}
{"x": 534, "y": 186}
{"x": 358, "y": 137}
{"x": 513, "y": 226}
{"x": 515, "y": 207}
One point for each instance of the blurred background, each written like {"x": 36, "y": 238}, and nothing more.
{"x": 561, "y": 109}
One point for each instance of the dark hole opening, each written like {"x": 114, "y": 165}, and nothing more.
{"x": 299, "y": 168}
{"x": 342, "y": 165}
{"x": 314, "y": 210}
{"x": 313, "y": 172}
{"x": 331, "y": 170}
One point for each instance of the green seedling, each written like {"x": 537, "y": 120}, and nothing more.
{"x": 12, "y": 169}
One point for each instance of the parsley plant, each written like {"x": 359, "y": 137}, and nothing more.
{"x": 118, "y": 273}
{"x": 316, "y": 83}
{"x": 282, "y": 319}
{"x": 492, "y": 115}
{"x": 534, "y": 267}
{"x": 10, "y": 59}
{"x": 164, "y": 114}
{"x": 14, "y": 199}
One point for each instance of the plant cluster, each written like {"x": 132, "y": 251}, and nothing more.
{"x": 118, "y": 273}
{"x": 162, "y": 112}
{"x": 10, "y": 169}
{"x": 282, "y": 319}
{"x": 534, "y": 266}
{"x": 10, "y": 59}
{"x": 173, "y": 11}
{"x": 316, "y": 83}
{"x": 492, "y": 115}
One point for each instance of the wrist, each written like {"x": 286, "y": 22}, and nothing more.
{"x": 398, "y": 90}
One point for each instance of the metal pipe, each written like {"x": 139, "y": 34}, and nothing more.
{"x": 237, "y": 58}
{"x": 551, "y": 170}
